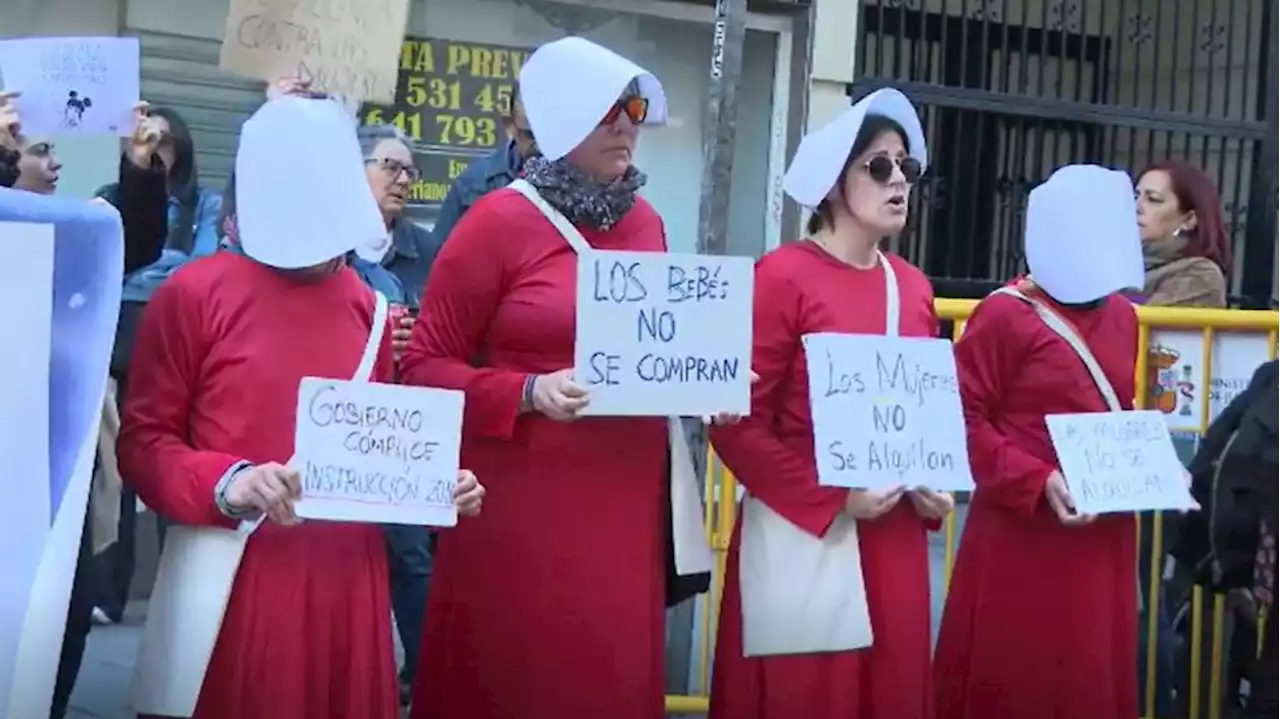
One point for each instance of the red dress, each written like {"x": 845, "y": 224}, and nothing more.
{"x": 1041, "y": 618}
{"x": 800, "y": 289}
{"x": 551, "y": 603}
{"x": 219, "y": 354}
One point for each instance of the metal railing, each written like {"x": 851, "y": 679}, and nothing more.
{"x": 722, "y": 492}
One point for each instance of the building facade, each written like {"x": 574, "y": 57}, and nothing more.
{"x": 1011, "y": 89}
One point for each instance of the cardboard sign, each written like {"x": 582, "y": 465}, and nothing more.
{"x": 349, "y": 48}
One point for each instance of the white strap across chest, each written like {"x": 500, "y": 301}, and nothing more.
{"x": 1064, "y": 330}
{"x": 554, "y": 216}
{"x": 892, "y": 301}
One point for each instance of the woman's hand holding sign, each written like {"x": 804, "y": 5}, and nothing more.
{"x": 146, "y": 137}
{"x": 557, "y": 396}
{"x": 468, "y": 494}
{"x": 1062, "y": 503}
{"x": 864, "y": 504}
{"x": 932, "y": 505}
{"x": 271, "y": 488}
{"x": 286, "y": 86}
{"x": 726, "y": 417}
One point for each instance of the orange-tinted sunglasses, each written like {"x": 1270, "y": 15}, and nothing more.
{"x": 636, "y": 107}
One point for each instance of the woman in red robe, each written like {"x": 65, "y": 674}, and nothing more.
{"x": 1041, "y": 616}
{"x": 552, "y": 604}
{"x": 858, "y": 171}
{"x": 209, "y": 419}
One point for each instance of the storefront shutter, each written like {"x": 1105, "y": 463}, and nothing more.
{"x": 182, "y": 73}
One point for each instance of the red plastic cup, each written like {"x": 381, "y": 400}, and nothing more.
{"x": 396, "y": 313}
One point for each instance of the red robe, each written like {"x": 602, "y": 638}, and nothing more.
{"x": 551, "y": 603}
{"x": 219, "y": 355}
{"x": 1041, "y": 618}
{"x": 800, "y": 289}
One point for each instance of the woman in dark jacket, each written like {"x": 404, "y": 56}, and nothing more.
{"x": 1230, "y": 546}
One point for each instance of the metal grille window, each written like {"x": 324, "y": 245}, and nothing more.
{"x": 1012, "y": 89}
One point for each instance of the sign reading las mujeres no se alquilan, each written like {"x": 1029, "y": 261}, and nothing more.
{"x": 886, "y": 412}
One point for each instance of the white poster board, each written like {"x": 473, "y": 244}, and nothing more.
{"x": 662, "y": 335}
{"x": 377, "y": 453}
{"x": 1119, "y": 461}
{"x": 886, "y": 412}
{"x": 73, "y": 85}
{"x": 62, "y": 286}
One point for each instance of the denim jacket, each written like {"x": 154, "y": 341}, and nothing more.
{"x": 413, "y": 251}
{"x": 484, "y": 175}
{"x": 379, "y": 279}
{"x": 139, "y": 285}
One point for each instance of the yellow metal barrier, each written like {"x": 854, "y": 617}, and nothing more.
{"x": 721, "y": 508}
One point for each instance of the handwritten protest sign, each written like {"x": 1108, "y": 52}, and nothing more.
{"x": 1119, "y": 461}
{"x": 886, "y": 412}
{"x": 664, "y": 334}
{"x": 377, "y": 453}
{"x": 349, "y": 48}
{"x": 73, "y": 85}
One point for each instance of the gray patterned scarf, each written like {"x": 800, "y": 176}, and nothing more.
{"x": 581, "y": 198}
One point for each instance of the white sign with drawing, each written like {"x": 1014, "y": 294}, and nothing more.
{"x": 377, "y": 453}
{"x": 886, "y": 412}
{"x": 73, "y": 85}
{"x": 662, "y": 334}
{"x": 1119, "y": 461}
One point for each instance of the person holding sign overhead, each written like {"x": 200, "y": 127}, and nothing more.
{"x": 552, "y": 604}
{"x": 291, "y": 621}
{"x": 1041, "y": 615}
{"x": 814, "y": 572}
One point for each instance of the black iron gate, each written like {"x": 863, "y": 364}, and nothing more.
{"x": 1012, "y": 89}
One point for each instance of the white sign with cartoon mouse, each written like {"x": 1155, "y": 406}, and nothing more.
{"x": 73, "y": 85}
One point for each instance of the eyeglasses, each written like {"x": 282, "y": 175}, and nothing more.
{"x": 395, "y": 167}
{"x": 880, "y": 168}
{"x": 636, "y": 108}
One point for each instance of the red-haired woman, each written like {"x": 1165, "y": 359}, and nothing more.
{"x": 1184, "y": 238}
{"x": 1187, "y": 253}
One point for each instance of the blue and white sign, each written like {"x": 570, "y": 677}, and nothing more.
{"x": 60, "y": 287}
